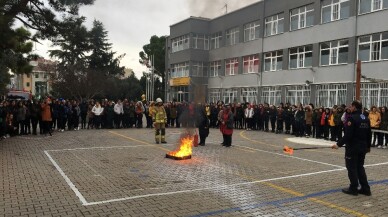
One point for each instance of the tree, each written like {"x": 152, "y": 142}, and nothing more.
{"x": 156, "y": 47}
{"x": 87, "y": 64}
{"x": 15, "y": 59}
{"x": 49, "y": 19}
{"x": 102, "y": 58}
{"x": 40, "y": 15}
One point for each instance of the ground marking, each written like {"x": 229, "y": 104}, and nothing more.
{"x": 85, "y": 203}
{"x": 68, "y": 181}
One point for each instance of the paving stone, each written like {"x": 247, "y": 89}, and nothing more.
{"x": 123, "y": 173}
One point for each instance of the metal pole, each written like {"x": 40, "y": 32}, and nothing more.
{"x": 358, "y": 80}
{"x": 153, "y": 76}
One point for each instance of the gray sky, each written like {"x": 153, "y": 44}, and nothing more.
{"x": 130, "y": 24}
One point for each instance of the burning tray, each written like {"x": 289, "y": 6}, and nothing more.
{"x": 178, "y": 158}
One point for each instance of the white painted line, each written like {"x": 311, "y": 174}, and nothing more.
{"x": 373, "y": 165}
{"x": 209, "y": 188}
{"x": 68, "y": 181}
{"x": 290, "y": 156}
{"x": 85, "y": 203}
{"x": 224, "y": 186}
{"x": 103, "y": 147}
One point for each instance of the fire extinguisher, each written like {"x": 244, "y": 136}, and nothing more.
{"x": 195, "y": 142}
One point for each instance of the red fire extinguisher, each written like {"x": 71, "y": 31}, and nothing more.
{"x": 195, "y": 142}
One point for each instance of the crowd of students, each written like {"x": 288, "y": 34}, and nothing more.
{"x": 44, "y": 117}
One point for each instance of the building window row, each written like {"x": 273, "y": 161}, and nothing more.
{"x": 370, "y": 48}
{"x": 199, "y": 69}
{"x": 373, "y": 47}
{"x": 273, "y": 61}
{"x": 373, "y": 94}
{"x": 214, "y": 95}
{"x": 251, "y": 31}
{"x": 200, "y": 41}
{"x": 180, "y": 70}
{"x": 180, "y": 43}
{"x": 334, "y": 52}
{"x": 302, "y": 17}
{"x": 215, "y": 68}
{"x": 367, "y": 6}
{"x": 274, "y": 25}
{"x": 216, "y": 40}
{"x": 333, "y": 10}
{"x": 232, "y": 36}
{"x": 229, "y": 96}
{"x": 231, "y": 66}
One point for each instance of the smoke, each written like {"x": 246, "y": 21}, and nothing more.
{"x": 215, "y": 8}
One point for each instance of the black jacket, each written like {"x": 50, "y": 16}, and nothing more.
{"x": 358, "y": 134}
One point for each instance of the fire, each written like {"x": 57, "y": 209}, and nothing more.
{"x": 185, "y": 148}
{"x": 288, "y": 150}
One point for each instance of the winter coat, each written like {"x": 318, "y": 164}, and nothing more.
{"x": 308, "y": 116}
{"x": 203, "y": 124}
{"x": 374, "y": 118}
{"x": 299, "y": 116}
{"x": 46, "y": 112}
{"x": 226, "y": 126}
{"x": 384, "y": 121}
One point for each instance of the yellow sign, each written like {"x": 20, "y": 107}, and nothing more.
{"x": 180, "y": 81}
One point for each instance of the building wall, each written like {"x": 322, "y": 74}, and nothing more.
{"x": 348, "y": 28}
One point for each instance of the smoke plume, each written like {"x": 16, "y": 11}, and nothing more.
{"x": 215, "y": 8}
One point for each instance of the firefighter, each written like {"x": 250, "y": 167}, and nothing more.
{"x": 159, "y": 118}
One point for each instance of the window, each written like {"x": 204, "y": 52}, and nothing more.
{"x": 273, "y": 61}
{"x": 216, "y": 40}
{"x": 302, "y": 17}
{"x": 180, "y": 93}
{"x": 27, "y": 84}
{"x": 231, "y": 66}
{"x": 271, "y": 95}
{"x": 248, "y": 95}
{"x": 180, "y": 70}
{"x": 298, "y": 94}
{"x": 373, "y": 47}
{"x": 28, "y": 75}
{"x": 232, "y": 36}
{"x": 367, "y": 6}
{"x": 200, "y": 41}
{"x": 230, "y": 96}
{"x": 274, "y": 25}
{"x": 214, "y": 95}
{"x": 199, "y": 69}
{"x": 301, "y": 57}
{"x": 215, "y": 68}
{"x": 37, "y": 75}
{"x": 333, "y": 10}
{"x": 251, "y": 31}
{"x": 373, "y": 94}
{"x": 251, "y": 64}
{"x": 180, "y": 43}
{"x": 334, "y": 52}
{"x": 328, "y": 95}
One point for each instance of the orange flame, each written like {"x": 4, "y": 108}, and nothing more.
{"x": 185, "y": 148}
{"x": 288, "y": 150}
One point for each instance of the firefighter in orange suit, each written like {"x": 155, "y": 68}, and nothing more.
{"x": 159, "y": 118}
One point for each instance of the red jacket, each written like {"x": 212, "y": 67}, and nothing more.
{"x": 227, "y": 119}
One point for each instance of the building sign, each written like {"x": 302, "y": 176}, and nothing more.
{"x": 180, "y": 81}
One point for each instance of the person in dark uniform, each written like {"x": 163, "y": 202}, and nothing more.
{"x": 288, "y": 116}
{"x": 358, "y": 136}
{"x": 202, "y": 124}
